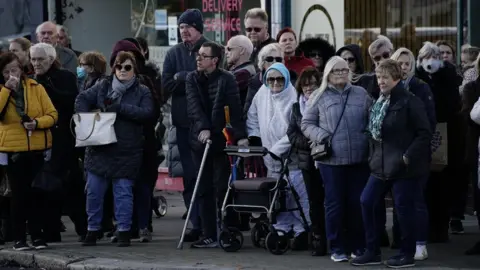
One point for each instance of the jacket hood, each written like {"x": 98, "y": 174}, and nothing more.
{"x": 357, "y": 53}
{"x": 280, "y": 68}
{"x": 317, "y": 44}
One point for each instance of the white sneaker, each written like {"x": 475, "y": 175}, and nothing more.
{"x": 421, "y": 253}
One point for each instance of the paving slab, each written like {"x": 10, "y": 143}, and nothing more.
{"x": 162, "y": 252}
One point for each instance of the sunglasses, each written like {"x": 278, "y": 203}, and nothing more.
{"x": 271, "y": 59}
{"x": 272, "y": 80}
{"x": 378, "y": 58}
{"x": 254, "y": 29}
{"x": 349, "y": 59}
{"x": 314, "y": 54}
{"x": 340, "y": 71}
{"x": 126, "y": 67}
{"x": 229, "y": 49}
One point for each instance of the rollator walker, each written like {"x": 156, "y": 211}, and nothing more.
{"x": 262, "y": 197}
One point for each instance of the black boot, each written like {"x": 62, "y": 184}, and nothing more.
{"x": 123, "y": 239}
{"x": 90, "y": 239}
{"x": 319, "y": 245}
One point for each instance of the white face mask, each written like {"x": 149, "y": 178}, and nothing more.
{"x": 431, "y": 65}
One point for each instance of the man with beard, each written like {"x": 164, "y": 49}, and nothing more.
{"x": 209, "y": 89}
{"x": 256, "y": 27}
{"x": 47, "y": 33}
{"x": 238, "y": 52}
{"x": 179, "y": 61}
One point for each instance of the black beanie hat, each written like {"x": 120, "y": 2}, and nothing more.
{"x": 192, "y": 17}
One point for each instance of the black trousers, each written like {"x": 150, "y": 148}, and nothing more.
{"x": 459, "y": 192}
{"x": 437, "y": 198}
{"x": 212, "y": 189}
{"x": 75, "y": 199}
{"x": 316, "y": 197}
{"x": 26, "y": 203}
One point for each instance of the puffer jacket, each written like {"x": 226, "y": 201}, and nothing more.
{"x": 124, "y": 158}
{"x": 173, "y": 156}
{"x": 349, "y": 143}
{"x": 300, "y": 145}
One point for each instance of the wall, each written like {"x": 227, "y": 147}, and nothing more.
{"x": 99, "y": 25}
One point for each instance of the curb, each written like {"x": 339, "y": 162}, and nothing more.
{"x": 49, "y": 261}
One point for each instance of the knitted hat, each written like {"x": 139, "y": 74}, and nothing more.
{"x": 126, "y": 46}
{"x": 192, "y": 17}
{"x": 286, "y": 30}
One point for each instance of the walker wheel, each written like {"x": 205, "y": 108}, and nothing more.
{"x": 231, "y": 240}
{"x": 162, "y": 204}
{"x": 277, "y": 242}
{"x": 258, "y": 234}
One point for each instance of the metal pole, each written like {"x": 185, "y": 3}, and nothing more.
{"x": 460, "y": 19}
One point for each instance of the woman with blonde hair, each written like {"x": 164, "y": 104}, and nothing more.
{"x": 422, "y": 90}
{"x": 336, "y": 116}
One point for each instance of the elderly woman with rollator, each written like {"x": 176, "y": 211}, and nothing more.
{"x": 399, "y": 138}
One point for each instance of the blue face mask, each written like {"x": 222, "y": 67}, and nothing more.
{"x": 81, "y": 72}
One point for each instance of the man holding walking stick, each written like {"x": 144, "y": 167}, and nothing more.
{"x": 209, "y": 89}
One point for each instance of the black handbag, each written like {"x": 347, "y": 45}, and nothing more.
{"x": 323, "y": 149}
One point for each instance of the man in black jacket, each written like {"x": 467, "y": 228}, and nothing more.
{"x": 209, "y": 89}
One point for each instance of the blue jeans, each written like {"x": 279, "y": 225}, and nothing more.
{"x": 404, "y": 196}
{"x": 123, "y": 200}
{"x": 143, "y": 203}
{"x": 189, "y": 174}
{"x": 343, "y": 187}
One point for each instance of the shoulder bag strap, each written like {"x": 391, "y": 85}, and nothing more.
{"x": 340, "y": 119}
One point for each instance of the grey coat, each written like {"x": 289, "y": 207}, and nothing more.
{"x": 350, "y": 143}
{"x": 122, "y": 159}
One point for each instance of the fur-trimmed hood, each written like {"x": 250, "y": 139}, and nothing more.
{"x": 317, "y": 44}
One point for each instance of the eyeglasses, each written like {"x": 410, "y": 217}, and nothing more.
{"x": 349, "y": 59}
{"x": 378, "y": 58}
{"x": 271, "y": 59}
{"x": 340, "y": 71}
{"x": 121, "y": 67}
{"x": 203, "y": 56}
{"x": 271, "y": 80}
{"x": 314, "y": 54}
{"x": 229, "y": 49}
{"x": 255, "y": 29}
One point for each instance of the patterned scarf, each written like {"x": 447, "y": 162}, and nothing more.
{"x": 119, "y": 88}
{"x": 377, "y": 114}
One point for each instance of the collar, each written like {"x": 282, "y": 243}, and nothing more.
{"x": 242, "y": 65}
{"x": 196, "y": 46}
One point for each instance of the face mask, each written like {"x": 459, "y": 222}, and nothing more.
{"x": 431, "y": 65}
{"x": 81, "y": 72}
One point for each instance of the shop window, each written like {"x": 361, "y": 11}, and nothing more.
{"x": 407, "y": 23}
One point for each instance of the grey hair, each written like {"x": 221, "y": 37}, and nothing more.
{"x": 272, "y": 47}
{"x": 43, "y": 24}
{"x": 410, "y": 55}
{"x": 428, "y": 50}
{"x": 244, "y": 42}
{"x": 381, "y": 41}
{"x": 47, "y": 48}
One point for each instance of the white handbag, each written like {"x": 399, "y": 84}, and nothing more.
{"x": 94, "y": 128}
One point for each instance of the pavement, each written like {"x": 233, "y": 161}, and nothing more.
{"x": 161, "y": 254}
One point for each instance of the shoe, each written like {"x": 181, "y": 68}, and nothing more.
{"x": 114, "y": 238}
{"x": 90, "y": 239}
{"x": 205, "y": 243}
{"x": 39, "y": 244}
{"x": 123, "y": 239}
{"x": 356, "y": 254}
{"x": 368, "y": 258}
{"x": 300, "y": 242}
{"x": 145, "y": 236}
{"x": 475, "y": 250}
{"x": 21, "y": 246}
{"x": 339, "y": 257}
{"x": 400, "y": 262}
{"x": 319, "y": 245}
{"x": 456, "y": 227}
{"x": 421, "y": 253}
{"x": 192, "y": 236}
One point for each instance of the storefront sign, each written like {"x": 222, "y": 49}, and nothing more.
{"x": 223, "y": 22}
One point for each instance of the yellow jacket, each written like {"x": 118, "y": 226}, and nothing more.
{"x": 13, "y": 136}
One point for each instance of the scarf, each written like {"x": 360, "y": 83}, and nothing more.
{"x": 118, "y": 89}
{"x": 19, "y": 99}
{"x": 377, "y": 114}
{"x": 303, "y": 104}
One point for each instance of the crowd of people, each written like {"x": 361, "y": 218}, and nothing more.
{"x": 404, "y": 128}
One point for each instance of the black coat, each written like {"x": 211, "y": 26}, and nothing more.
{"x": 61, "y": 87}
{"x": 405, "y": 132}
{"x": 471, "y": 93}
{"x": 124, "y": 158}
{"x": 300, "y": 145}
{"x": 206, "y": 99}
